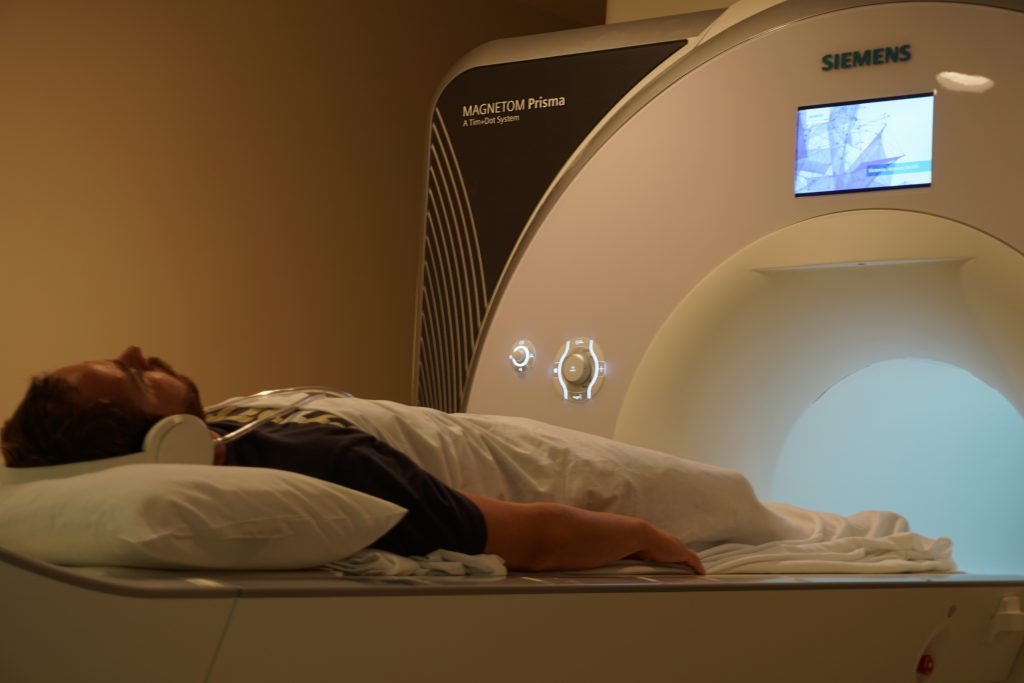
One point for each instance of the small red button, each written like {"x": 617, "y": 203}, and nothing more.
{"x": 926, "y": 665}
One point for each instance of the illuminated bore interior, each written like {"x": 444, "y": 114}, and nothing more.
{"x": 861, "y": 360}
{"x": 925, "y": 438}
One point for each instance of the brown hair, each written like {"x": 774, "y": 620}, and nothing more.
{"x": 54, "y": 425}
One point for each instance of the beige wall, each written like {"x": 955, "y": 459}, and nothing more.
{"x": 233, "y": 185}
{"x": 633, "y": 10}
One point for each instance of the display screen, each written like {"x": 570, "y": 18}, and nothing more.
{"x": 868, "y": 145}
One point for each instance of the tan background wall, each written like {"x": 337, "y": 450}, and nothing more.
{"x": 633, "y": 10}
{"x": 233, "y": 185}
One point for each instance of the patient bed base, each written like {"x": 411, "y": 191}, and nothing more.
{"x": 116, "y": 624}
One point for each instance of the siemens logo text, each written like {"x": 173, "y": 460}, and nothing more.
{"x": 872, "y": 57}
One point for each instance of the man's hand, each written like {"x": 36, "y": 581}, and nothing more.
{"x": 548, "y": 536}
{"x": 664, "y": 547}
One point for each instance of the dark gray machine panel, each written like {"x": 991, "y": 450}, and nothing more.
{"x": 499, "y": 136}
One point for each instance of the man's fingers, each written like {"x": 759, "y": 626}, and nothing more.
{"x": 668, "y": 548}
{"x": 694, "y": 562}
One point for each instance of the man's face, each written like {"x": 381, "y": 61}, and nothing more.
{"x": 131, "y": 379}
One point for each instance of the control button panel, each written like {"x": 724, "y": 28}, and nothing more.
{"x": 579, "y": 370}
{"x": 522, "y": 356}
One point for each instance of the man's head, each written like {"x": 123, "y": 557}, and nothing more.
{"x": 95, "y": 409}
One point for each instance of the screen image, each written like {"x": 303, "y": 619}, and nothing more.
{"x": 867, "y": 145}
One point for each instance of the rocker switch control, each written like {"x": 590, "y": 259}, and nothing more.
{"x": 579, "y": 369}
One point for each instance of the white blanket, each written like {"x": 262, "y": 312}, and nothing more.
{"x": 713, "y": 510}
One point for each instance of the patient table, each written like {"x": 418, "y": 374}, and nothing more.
{"x": 115, "y": 624}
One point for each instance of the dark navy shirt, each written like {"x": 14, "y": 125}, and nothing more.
{"x": 438, "y": 516}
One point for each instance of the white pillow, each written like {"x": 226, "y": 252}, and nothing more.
{"x": 191, "y": 517}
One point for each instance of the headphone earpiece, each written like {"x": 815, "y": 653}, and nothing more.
{"x": 181, "y": 439}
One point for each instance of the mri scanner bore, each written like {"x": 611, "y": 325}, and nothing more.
{"x": 926, "y": 437}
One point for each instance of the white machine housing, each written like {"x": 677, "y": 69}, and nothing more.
{"x": 726, "y": 305}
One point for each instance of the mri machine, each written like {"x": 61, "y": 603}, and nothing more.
{"x": 748, "y": 248}
{"x": 649, "y": 231}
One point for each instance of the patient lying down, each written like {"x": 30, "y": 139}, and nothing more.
{"x": 541, "y": 497}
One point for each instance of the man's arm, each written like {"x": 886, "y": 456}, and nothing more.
{"x": 549, "y": 536}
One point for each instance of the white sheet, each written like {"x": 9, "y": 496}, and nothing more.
{"x": 373, "y": 562}
{"x": 712, "y": 509}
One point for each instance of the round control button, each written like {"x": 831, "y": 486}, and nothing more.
{"x": 579, "y": 369}
{"x": 576, "y": 368}
{"x": 522, "y": 356}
